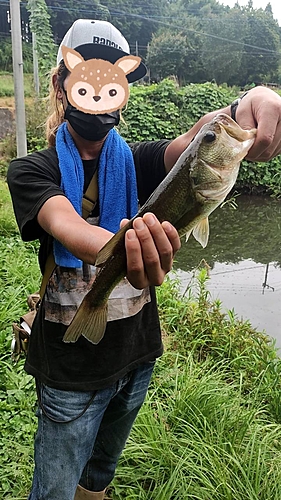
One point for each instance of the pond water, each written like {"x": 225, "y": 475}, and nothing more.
{"x": 244, "y": 259}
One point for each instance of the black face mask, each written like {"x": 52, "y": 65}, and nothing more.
{"x": 91, "y": 127}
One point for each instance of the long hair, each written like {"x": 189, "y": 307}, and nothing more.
{"x": 56, "y": 111}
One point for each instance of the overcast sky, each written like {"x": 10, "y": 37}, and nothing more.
{"x": 257, "y": 4}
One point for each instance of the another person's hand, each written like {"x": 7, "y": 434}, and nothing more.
{"x": 150, "y": 248}
{"x": 261, "y": 109}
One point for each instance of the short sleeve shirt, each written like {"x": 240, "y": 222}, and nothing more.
{"x": 128, "y": 341}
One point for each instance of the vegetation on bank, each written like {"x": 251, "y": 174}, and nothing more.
{"x": 211, "y": 424}
{"x": 157, "y": 111}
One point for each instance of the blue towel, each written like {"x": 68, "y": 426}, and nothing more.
{"x": 116, "y": 180}
{"x": 118, "y": 197}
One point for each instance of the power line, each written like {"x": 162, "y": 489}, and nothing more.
{"x": 117, "y": 13}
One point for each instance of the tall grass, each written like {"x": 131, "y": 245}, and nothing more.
{"x": 17, "y": 404}
{"x": 197, "y": 437}
{"x": 210, "y": 428}
{"x": 19, "y": 272}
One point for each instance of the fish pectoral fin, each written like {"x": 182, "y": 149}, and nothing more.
{"x": 201, "y": 232}
{"x": 89, "y": 322}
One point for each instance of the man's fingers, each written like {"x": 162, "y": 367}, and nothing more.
{"x": 150, "y": 248}
{"x": 135, "y": 266}
{"x": 150, "y": 235}
{"x": 173, "y": 236}
{"x": 254, "y": 111}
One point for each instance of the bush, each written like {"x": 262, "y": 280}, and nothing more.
{"x": 158, "y": 111}
{"x": 164, "y": 111}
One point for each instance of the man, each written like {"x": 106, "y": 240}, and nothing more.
{"x": 89, "y": 390}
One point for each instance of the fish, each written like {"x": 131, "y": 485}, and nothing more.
{"x": 196, "y": 185}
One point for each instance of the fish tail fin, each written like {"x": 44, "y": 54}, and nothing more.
{"x": 96, "y": 324}
{"x": 91, "y": 323}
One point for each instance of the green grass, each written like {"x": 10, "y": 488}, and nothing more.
{"x": 8, "y": 226}
{"x": 210, "y": 428}
{"x": 7, "y": 85}
{"x": 197, "y": 437}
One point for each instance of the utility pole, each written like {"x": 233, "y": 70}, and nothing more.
{"x": 18, "y": 77}
{"x": 35, "y": 65}
{"x": 31, "y": 5}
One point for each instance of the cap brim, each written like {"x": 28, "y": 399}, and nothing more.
{"x": 98, "y": 51}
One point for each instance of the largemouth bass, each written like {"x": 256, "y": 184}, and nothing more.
{"x": 197, "y": 184}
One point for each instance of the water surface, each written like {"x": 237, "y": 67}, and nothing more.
{"x": 244, "y": 257}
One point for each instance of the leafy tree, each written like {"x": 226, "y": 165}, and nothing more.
{"x": 201, "y": 8}
{"x": 268, "y": 9}
{"x": 170, "y": 54}
{"x": 64, "y": 12}
{"x": 234, "y": 45}
{"x": 222, "y": 46}
{"x": 262, "y": 47}
{"x": 6, "y": 62}
{"x": 45, "y": 47}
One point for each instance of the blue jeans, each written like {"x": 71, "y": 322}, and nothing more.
{"x": 81, "y": 435}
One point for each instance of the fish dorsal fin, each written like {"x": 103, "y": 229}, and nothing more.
{"x": 107, "y": 250}
{"x": 201, "y": 232}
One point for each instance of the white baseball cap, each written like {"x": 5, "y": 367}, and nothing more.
{"x": 95, "y": 39}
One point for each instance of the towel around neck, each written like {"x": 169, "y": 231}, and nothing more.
{"x": 116, "y": 181}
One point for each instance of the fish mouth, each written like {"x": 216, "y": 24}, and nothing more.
{"x": 233, "y": 129}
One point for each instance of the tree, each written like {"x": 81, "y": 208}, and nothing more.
{"x": 64, "y": 13}
{"x": 222, "y": 46}
{"x": 260, "y": 59}
{"x": 170, "y": 54}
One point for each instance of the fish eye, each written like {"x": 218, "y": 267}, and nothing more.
{"x": 210, "y": 137}
{"x": 82, "y": 91}
{"x": 112, "y": 92}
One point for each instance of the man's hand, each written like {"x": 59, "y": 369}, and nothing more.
{"x": 261, "y": 109}
{"x": 150, "y": 248}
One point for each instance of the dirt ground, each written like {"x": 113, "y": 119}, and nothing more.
{"x": 7, "y": 102}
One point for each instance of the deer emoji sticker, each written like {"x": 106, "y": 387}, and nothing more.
{"x": 97, "y": 86}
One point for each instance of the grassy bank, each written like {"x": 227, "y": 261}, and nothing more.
{"x": 7, "y": 85}
{"x": 211, "y": 425}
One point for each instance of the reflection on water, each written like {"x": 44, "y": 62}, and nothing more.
{"x": 244, "y": 255}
